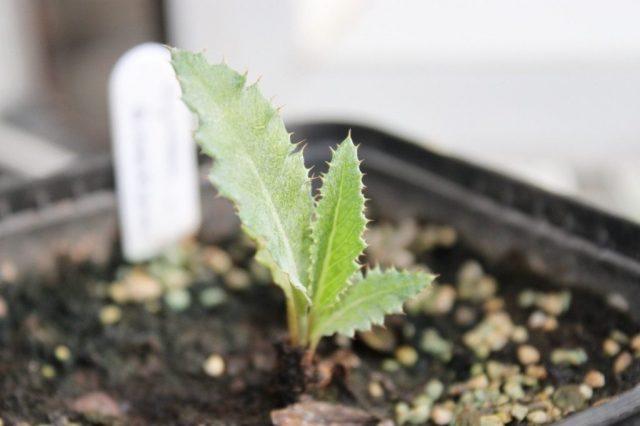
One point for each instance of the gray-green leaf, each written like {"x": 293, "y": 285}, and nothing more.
{"x": 338, "y": 228}
{"x": 255, "y": 164}
{"x": 368, "y": 300}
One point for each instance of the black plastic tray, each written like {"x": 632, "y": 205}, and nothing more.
{"x": 497, "y": 216}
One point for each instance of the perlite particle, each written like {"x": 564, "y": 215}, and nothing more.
{"x": 214, "y": 365}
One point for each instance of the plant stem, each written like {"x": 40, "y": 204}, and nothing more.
{"x": 300, "y": 304}
{"x": 292, "y": 321}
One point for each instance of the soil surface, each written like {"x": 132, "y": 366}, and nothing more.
{"x": 194, "y": 337}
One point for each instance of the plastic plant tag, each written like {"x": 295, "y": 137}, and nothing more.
{"x": 155, "y": 155}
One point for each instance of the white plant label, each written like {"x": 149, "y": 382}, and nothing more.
{"x": 155, "y": 156}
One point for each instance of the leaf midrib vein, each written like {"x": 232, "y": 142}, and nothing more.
{"x": 331, "y": 237}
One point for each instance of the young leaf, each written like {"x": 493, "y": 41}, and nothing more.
{"x": 255, "y": 166}
{"x": 337, "y": 230}
{"x": 368, "y": 300}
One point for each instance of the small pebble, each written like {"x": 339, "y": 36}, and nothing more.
{"x": 408, "y": 331}
{"x": 432, "y": 343}
{"x": 478, "y": 382}
{"x": 619, "y": 337}
{"x": 586, "y": 391}
{"x": 110, "y": 314}
{"x": 519, "y": 411}
{"x": 538, "y": 417}
{"x": 139, "y": 286}
{"x": 406, "y": 355}
{"x": 376, "y": 391}
{"x": 4, "y": 308}
{"x": 419, "y": 414}
{"x": 97, "y": 403}
{"x": 498, "y": 371}
{"x": 618, "y": 302}
{"x": 504, "y": 413}
{"x": 475, "y": 288}
{"x": 537, "y": 320}
{"x": 174, "y": 277}
{"x": 491, "y": 420}
{"x": 610, "y": 347}
{"x": 390, "y": 365}
{"x": 441, "y": 415}
{"x": 492, "y": 334}
{"x": 514, "y": 390}
{"x": 528, "y": 354}
{"x": 468, "y": 417}
{"x": 527, "y": 298}
{"x": 635, "y": 343}
{"x": 401, "y": 411}
{"x": 218, "y": 260}
{"x": 237, "y": 279}
{"x": 569, "y": 356}
{"x": 486, "y": 288}
{"x": 550, "y": 324}
{"x": 212, "y": 297}
{"x": 447, "y": 236}
{"x": 8, "y": 272}
{"x": 47, "y": 371}
{"x": 529, "y": 381}
{"x": 555, "y": 413}
{"x": 622, "y": 362}
{"x": 520, "y": 334}
{"x": 594, "y": 379}
{"x": 433, "y": 236}
{"x": 178, "y": 299}
{"x": 476, "y": 369}
{"x": 439, "y": 300}
{"x": 540, "y": 320}
{"x": 434, "y": 389}
{"x": 554, "y": 303}
{"x": 569, "y": 398}
{"x": 62, "y": 353}
{"x": 470, "y": 271}
{"x": 379, "y": 339}
{"x": 214, "y": 365}
{"x": 537, "y": 372}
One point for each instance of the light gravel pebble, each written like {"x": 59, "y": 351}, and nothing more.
{"x": 214, "y": 365}
{"x": 594, "y": 379}
{"x": 622, "y": 362}
{"x": 528, "y": 354}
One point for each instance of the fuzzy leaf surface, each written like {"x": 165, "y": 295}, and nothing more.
{"x": 338, "y": 228}
{"x": 255, "y": 164}
{"x": 367, "y": 300}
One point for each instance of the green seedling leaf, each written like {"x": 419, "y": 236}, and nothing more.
{"x": 310, "y": 249}
{"x": 367, "y": 300}
{"x": 338, "y": 228}
{"x": 256, "y": 166}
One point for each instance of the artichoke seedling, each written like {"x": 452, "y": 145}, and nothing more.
{"x": 311, "y": 245}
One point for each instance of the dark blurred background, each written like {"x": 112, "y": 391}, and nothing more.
{"x": 548, "y": 91}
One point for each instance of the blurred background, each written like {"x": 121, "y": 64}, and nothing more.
{"x": 545, "y": 90}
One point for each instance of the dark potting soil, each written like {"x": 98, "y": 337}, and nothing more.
{"x": 61, "y": 355}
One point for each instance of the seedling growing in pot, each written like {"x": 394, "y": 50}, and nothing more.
{"x": 311, "y": 246}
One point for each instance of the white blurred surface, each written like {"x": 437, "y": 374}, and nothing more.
{"x": 547, "y": 90}
{"x": 17, "y": 71}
